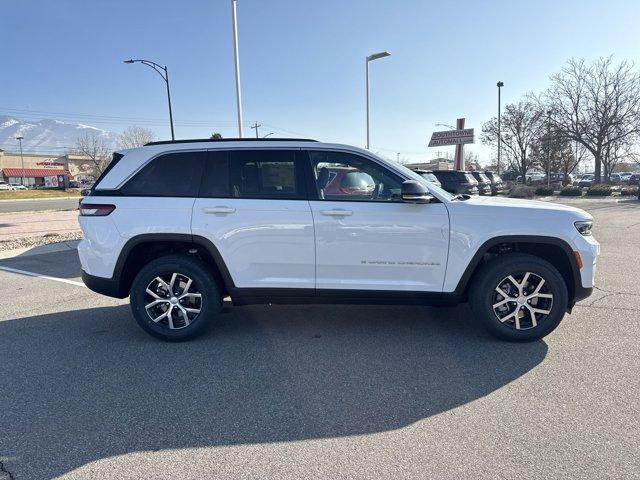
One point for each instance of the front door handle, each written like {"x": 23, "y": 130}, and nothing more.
{"x": 336, "y": 213}
{"x": 219, "y": 209}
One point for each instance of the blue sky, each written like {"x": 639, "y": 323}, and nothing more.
{"x": 302, "y": 62}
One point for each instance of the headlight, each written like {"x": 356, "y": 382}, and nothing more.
{"x": 584, "y": 227}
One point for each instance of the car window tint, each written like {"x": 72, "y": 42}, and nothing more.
{"x": 215, "y": 182}
{"x": 264, "y": 174}
{"x": 170, "y": 175}
{"x": 348, "y": 177}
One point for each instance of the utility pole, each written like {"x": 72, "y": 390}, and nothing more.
{"x": 255, "y": 127}
{"x": 548, "y": 147}
{"x": 21, "y": 158}
{"x": 236, "y": 56}
{"x": 499, "y": 85}
{"x": 398, "y": 157}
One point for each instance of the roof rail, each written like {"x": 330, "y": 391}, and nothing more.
{"x": 198, "y": 140}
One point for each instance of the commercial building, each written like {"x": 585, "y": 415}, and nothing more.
{"x": 38, "y": 170}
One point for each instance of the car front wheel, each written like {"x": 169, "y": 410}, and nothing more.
{"x": 519, "y": 297}
{"x": 174, "y": 298}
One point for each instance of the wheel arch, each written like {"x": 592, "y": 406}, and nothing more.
{"x": 141, "y": 249}
{"x": 555, "y": 250}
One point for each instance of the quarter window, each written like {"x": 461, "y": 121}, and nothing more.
{"x": 170, "y": 175}
{"x": 348, "y": 177}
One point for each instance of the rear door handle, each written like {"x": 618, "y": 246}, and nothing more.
{"x": 219, "y": 209}
{"x": 336, "y": 213}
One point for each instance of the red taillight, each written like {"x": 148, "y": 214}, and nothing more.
{"x": 96, "y": 209}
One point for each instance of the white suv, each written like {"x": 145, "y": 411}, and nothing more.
{"x": 178, "y": 226}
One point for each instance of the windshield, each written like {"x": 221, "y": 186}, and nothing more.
{"x": 415, "y": 176}
{"x": 430, "y": 177}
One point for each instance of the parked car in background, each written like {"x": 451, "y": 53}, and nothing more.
{"x": 559, "y": 179}
{"x": 634, "y": 179}
{"x": 586, "y": 180}
{"x": 620, "y": 178}
{"x": 17, "y": 186}
{"x": 4, "y": 186}
{"x": 532, "y": 178}
{"x": 497, "y": 185}
{"x": 484, "y": 184}
{"x": 86, "y": 189}
{"x": 428, "y": 176}
{"x": 457, "y": 181}
{"x": 625, "y": 176}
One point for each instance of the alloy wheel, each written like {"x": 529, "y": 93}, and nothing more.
{"x": 522, "y": 301}
{"x": 173, "y": 300}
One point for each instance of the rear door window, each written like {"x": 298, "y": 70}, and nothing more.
{"x": 266, "y": 174}
{"x": 170, "y": 175}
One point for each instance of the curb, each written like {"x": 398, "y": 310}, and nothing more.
{"x": 36, "y": 199}
{"x": 40, "y": 249}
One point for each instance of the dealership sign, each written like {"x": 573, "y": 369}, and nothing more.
{"x": 451, "y": 137}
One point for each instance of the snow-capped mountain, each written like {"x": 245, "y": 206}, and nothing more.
{"x": 46, "y": 136}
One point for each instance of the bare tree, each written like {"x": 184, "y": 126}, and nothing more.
{"x": 134, "y": 137}
{"x": 95, "y": 148}
{"x": 597, "y": 105}
{"x": 521, "y": 127}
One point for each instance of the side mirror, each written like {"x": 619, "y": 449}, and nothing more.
{"x": 415, "y": 192}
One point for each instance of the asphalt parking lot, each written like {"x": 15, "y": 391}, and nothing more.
{"x": 319, "y": 391}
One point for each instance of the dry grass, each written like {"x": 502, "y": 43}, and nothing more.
{"x": 20, "y": 194}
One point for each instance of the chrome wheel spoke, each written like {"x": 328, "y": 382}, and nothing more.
{"x": 190, "y": 295}
{"x": 154, "y": 294}
{"x": 186, "y": 288}
{"x": 171, "y": 304}
{"x": 163, "y": 283}
{"x": 525, "y": 309}
{"x": 534, "y": 322}
{"x": 160, "y": 317}
{"x": 501, "y": 302}
{"x": 540, "y": 310}
{"x": 155, "y": 303}
{"x": 185, "y": 317}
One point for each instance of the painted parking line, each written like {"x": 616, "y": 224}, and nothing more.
{"x": 39, "y": 275}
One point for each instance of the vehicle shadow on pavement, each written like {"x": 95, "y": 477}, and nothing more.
{"x": 85, "y": 385}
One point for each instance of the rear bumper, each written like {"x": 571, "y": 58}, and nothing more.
{"x": 105, "y": 286}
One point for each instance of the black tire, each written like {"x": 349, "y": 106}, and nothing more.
{"x": 203, "y": 282}
{"x": 483, "y": 294}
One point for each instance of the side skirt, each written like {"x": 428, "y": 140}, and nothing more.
{"x": 301, "y": 296}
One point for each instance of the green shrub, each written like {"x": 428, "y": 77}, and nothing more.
{"x": 522, "y": 191}
{"x": 544, "y": 191}
{"x": 599, "y": 190}
{"x": 628, "y": 191}
{"x": 571, "y": 191}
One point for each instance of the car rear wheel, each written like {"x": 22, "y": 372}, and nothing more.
{"x": 174, "y": 298}
{"x": 519, "y": 297}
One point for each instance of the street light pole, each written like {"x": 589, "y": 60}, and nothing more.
{"x": 160, "y": 69}
{"x": 20, "y": 138}
{"x": 374, "y": 56}
{"x": 236, "y": 56}
{"x": 499, "y": 85}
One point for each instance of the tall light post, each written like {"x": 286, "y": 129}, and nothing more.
{"x": 370, "y": 58}
{"x": 165, "y": 76}
{"x": 499, "y": 85}
{"x": 20, "y": 138}
{"x": 236, "y": 55}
